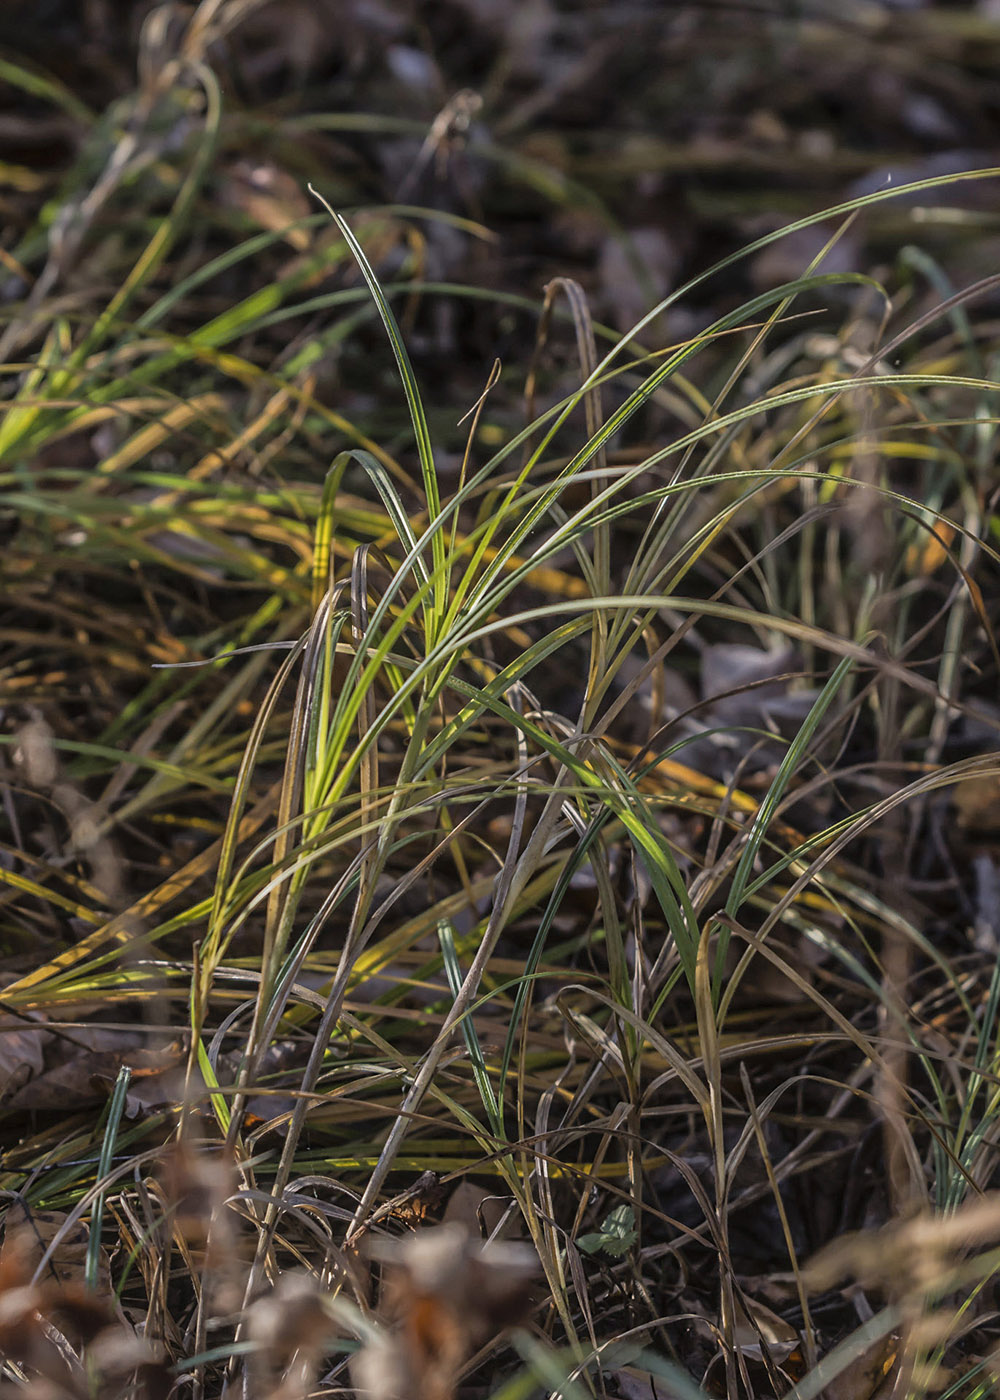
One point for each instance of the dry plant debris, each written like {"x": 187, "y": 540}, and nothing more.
{"x": 444, "y": 1296}
{"x": 498, "y": 699}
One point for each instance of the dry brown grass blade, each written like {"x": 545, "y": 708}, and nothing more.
{"x": 141, "y": 913}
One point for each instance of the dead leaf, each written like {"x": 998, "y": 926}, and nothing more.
{"x": 206, "y": 1228}
{"x": 269, "y": 197}
{"x": 790, "y": 257}
{"x": 637, "y": 272}
{"x": 29, "y": 1233}
{"x": 728, "y": 666}
{"x": 21, "y": 1053}
{"x": 758, "y": 1326}
{"x": 977, "y": 804}
{"x": 864, "y": 1377}
{"x": 444, "y": 1295}
{"x": 291, "y": 1329}
{"x": 85, "y": 1077}
{"x": 635, "y": 1384}
{"x": 480, "y": 1211}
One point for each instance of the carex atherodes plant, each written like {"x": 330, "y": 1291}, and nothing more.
{"x": 396, "y": 681}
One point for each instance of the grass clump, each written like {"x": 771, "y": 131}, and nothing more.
{"x": 569, "y": 826}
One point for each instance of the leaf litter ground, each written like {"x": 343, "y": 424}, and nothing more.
{"x": 471, "y": 757}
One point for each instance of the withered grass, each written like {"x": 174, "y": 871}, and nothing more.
{"x": 556, "y": 797}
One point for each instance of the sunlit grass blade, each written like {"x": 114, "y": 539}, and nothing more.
{"x": 418, "y": 419}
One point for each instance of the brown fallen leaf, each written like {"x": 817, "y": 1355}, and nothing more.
{"x": 291, "y": 1329}
{"x": 22, "y": 1053}
{"x": 480, "y": 1211}
{"x": 29, "y": 1234}
{"x": 205, "y": 1227}
{"x": 269, "y": 197}
{"x": 759, "y": 1327}
{"x": 444, "y": 1294}
{"x": 977, "y": 804}
{"x": 865, "y": 1376}
{"x": 46, "y": 1321}
{"x": 87, "y": 1076}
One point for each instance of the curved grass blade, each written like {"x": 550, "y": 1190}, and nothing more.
{"x": 437, "y": 602}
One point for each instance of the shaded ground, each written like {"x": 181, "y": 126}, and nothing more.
{"x": 743, "y": 994}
